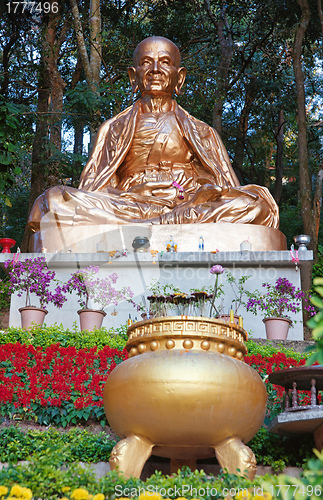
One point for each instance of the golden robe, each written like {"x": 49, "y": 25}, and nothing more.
{"x": 182, "y": 156}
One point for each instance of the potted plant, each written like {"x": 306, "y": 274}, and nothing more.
{"x": 166, "y": 299}
{"x": 218, "y": 289}
{"x": 239, "y": 292}
{"x": 277, "y": 302}
{"x": 92, "y": 289}
{"x": 33, "y": 278}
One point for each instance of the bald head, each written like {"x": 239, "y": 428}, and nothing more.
{"x": 151, "y": 43}
{"x": 156, "y": 70}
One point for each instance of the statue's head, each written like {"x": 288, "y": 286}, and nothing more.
{"x": 156, "y": 70}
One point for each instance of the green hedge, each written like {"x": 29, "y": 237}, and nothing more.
{"x": 47, "y": 335}
{"x": 115, "y": 338}
{"x": 47, "y": 480}
{"x": 76, "y": 444}
{"x": 15, "y": 445}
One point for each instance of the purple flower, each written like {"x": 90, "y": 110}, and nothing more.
{"x": 100, "y": 291}
{"x": 32, "y": 276}
{"x": 217, "y": 269}
{"x": 277, "y": 300}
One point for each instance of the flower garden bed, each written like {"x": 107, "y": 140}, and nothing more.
{"x": 53, "y": 377}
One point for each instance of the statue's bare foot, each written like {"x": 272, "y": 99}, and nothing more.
{"x": 130, "y": 455}
{"x": 235, "y": 456}
{"x": 208, "y": 192}
{"x": 90, "y": 215}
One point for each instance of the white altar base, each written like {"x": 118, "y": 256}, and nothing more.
{"x": 183, "y": 269}
{"x": 223, "y": 236}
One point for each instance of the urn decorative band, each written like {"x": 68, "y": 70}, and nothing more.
{"x": 186, "y": 332}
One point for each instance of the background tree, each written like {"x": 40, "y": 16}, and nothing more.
{"x": 66, "y": 73}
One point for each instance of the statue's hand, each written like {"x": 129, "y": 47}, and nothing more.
{"x": 209, "y": 192}
{"x": 150, "y": 188}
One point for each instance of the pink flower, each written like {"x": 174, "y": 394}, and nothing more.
{"x": 218, "y": 269}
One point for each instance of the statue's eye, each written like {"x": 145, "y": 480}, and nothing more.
{"x": 145, "y": 62}
{"x": 166, "y": 62}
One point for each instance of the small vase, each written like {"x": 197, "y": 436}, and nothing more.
{"x": 6, "y": 244}
{"x": 226, "y": 317}
{"x": 277, "y": 328}
{"x": 32, "y": 316}
{"x": 90, "y": 319}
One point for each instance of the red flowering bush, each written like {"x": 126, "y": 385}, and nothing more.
{"x": 58, "y": 385}
{"x": 64, "y": 385}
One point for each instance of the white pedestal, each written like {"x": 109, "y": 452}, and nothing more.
{"x": 184, "y": 269}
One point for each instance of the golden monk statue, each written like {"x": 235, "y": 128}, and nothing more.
{"x": 155, "y": 163}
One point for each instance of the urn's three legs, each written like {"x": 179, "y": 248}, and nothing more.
{"x": 232, "y": 454}
{"x": 130, "y": 455}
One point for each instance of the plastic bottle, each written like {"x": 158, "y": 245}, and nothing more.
{"x": 201, "y": 244}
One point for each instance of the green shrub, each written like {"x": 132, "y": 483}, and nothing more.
{"x": 15, "y": 445}
{"x": 78, "y": 445}
{"x": 45, "y": 477}
{"x": 47, "y": 335}
{"x": 281, "y": 451}
{"x": 268, "y": 350}
{"x": 4, "y": 294}
{"x": 316, "y": 323}
{"x": 47, "y": 480}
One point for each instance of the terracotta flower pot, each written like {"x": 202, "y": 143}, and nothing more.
{"x": 31, "y": 316}
{"x": 90, "y": 319}
{"x": 277, "y": 328}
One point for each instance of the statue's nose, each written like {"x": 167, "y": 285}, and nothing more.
{"x": 155, "y": 68}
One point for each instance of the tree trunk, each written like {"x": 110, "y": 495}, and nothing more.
{"x": 237, "y": 162}
{"x": 279, "y": 135}
{"x": 92, "y": 64}
{"x": 222, "y": 75}
{"x": 40, "y": 151}
{"x": 317, "y": 205}
{"x": 78, "y": 150}
{"x": 14, "y": 36}
{"x": 304, "y": 174}
{"x": 52, "y": 43}
{"x": 96, "y": 41}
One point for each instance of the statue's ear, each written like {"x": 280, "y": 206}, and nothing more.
{"x": 181, "y": 80}
{"x": 133, "y": 79}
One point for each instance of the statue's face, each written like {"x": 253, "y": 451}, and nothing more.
{"x": 157, "y": 70}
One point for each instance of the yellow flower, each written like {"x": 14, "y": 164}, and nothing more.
{"x": 3, "y": 491}
{"x": 63, "y": 498}
{"x": 27, "y": 494}
{"x": 149, "y": 496}
{"x": 243, "y": 494}
{"x": 65, "y": 488}
{"x": 266, "y": 496}
{"x": 98, "y": 496}
{"x": 16, "y": 491}
{"x": 80, "y": 494}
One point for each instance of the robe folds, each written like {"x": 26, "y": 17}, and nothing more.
{"x": 220, "y": 198}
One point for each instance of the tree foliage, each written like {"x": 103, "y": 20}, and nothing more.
{"x": 61, "y": 76}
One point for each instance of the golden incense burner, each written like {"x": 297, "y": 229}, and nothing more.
{"x": 184, "y": 393}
